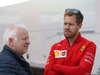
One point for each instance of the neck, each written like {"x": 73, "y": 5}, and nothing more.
{"x": 72, "y": 39}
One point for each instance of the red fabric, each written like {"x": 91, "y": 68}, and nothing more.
{"x": 77, "y": 61}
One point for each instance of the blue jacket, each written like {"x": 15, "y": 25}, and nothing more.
{"x": 13, "y": 64}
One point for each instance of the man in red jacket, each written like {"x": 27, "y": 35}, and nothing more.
{"x": 74, "y": 55}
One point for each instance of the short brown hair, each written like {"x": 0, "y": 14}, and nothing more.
{"x": 79, "y": 15}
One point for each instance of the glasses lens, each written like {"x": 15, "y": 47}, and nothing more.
{"x": 75, "y": 11}
{"x": 68, "y": 10}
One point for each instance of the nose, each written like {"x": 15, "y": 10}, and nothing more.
{"x": 28, "y": 42}
{"x": 66, "y": 26}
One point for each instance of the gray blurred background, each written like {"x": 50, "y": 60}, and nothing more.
{"x": 44, "y": 20}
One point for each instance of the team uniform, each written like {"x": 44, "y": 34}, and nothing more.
{"x": 75, "y": 60}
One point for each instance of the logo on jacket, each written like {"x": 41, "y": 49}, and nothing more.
{"x": 63, "y": 53}
{"x": 60, "y": 54}
{"x": 82, "y": 48}
{"x": 56, "y": 53}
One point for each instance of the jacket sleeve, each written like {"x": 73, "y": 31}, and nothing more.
{"x": 6, "y": 68}
{"x": 49, "y": 64}
{"x": 85, "y": 65}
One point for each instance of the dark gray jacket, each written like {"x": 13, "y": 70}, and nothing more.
{"x": 13, "y": 64}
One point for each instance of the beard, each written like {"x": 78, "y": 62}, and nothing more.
{"x": 71, "y": 34}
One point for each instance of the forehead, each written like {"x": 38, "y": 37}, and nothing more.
{"x": 70, "y": 18}
{"x": 22, "y": 32}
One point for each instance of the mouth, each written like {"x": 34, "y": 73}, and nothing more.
{"x": 26, "y": 47}
{"x": 66, "y": 32}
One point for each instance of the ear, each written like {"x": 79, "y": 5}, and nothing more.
{"x": 11, "y": 41}
{"x": 80, "y": 25}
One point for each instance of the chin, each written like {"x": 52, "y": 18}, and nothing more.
{"x": 25, "y": 51}
{"x": 67, "y": 36}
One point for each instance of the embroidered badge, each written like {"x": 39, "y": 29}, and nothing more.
{"x": 56, "y": 53}
{"x": 59, "y": 54}
{"x": 63, "y": 53}
{"x": 82, "y": 48}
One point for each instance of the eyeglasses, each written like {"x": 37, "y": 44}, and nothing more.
{"x": 75, "y": 11}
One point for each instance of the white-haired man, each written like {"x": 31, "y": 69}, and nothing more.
{"x": 16, "y": 41}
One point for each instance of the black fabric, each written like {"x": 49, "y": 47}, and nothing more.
{"x": 13, "y": 64}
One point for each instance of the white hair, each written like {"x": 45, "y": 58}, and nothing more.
{"x": 11, "y": 32}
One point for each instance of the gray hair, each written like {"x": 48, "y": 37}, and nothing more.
{"x": 12, "y": 33}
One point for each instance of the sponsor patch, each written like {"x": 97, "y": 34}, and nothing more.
{"x": 89, "y": 57}
{"x": 90, "y": 54}
{"x": 88, "y": 61}
{"x": 63, "y": 53}
{"x": 60, "y": 54}
{"x": 56, "y": 53}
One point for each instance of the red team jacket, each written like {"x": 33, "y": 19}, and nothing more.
{"x": 76, "y": 60}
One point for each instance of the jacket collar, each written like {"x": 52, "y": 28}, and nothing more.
{"x": 77, "y": 40}
{"x": 13, "y": 53}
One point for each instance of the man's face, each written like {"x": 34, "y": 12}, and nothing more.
{"x": 22, "y": 43}
{"x": 70, "y": 26}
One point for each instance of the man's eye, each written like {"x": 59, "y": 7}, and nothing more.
{"x": 65, "y": 23}
{"x": 24, "y": 39}
{"x": 71, "y": 24}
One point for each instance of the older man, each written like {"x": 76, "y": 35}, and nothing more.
{"x": 16, "y": 41}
